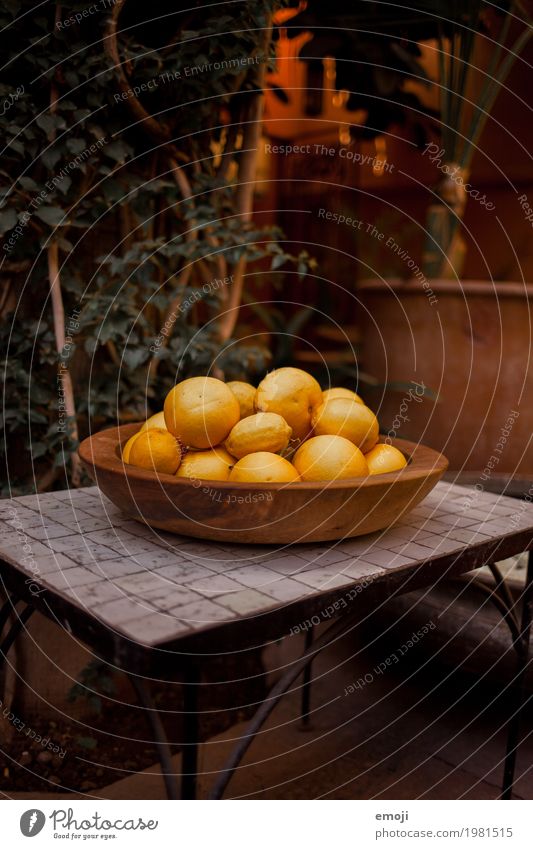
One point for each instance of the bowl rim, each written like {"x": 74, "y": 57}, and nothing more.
{"x": 99, "y": 452}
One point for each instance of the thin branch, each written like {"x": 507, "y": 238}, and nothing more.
{"x": 244, "y": 209}
{"x": 65, "y": 378}
{"x": 182, "y": 182}
{"x": 245, "y": 192}
{"x": 157, "y": 131}
{"x": 58, "y": 312}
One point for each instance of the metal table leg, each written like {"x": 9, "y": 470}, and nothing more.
{"x": 518, "y": 700}
{"x": 306, "y": 687}
{"x": 333, "y": 633}
{"x": 160, "y": 738}
{"x": 189, "y": 759}
{"x": 16, "y": 627}
{"x": 7, "y": 608}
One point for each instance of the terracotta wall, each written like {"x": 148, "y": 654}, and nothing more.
{"x": 397, "y": 199}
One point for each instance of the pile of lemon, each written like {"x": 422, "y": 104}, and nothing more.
{"x": 285, "y": 430}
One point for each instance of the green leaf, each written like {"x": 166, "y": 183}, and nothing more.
{"x": 89, "y": 743}
{"x": 50, "y": 157}
{"x": 51, "y": 215}
{"x": 46, "y": 123}
{"x": 277, "y": 261}
{"x": 8, "y": 219}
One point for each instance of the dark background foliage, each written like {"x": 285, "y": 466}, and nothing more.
{"x": 138, "y": 198}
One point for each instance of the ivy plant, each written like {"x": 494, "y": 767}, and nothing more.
{"x": 130, "y": 137}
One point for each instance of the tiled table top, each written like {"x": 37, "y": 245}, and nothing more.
{"x": 152, "y": 587}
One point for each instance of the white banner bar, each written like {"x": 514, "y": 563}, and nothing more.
{"x": 267, "y": 824}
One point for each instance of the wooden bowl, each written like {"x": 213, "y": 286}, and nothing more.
{"x": 260, "y": 513}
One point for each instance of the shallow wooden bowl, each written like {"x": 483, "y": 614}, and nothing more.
{"x": 260, "y": 513}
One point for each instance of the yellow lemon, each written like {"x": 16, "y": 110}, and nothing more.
{"x": 201, "y": 411}
{"x": 245, "y": 394}
{"x": 326, "y": 458}
{"x": 156, "y": 449}
{"x": 127, "y": 448}
{"x": 157, "y": 420}
{"x": 345, "y": 417}
{"x": 263, "y": 467}
{"x": 340, "y": 392}
{"x": 384, "y": 458}
{"x": 260, "y": 432}
{"x": 212, "y": 465}
{"x": 293, "y": 394}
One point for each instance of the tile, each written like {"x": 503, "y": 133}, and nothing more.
{"x": 134, "y": 546}
{"x": 154, "y": 628}
{"x": 393, "y": 540}
{"x": 467, "y": 535}
{"x": 200, "y": 613}
{"x": 30, "y": 501}
{"x": 157, "y": 557}
{"x": 246, "y": 602}
{"x": 214, "y": 585}
{"x": 359, "y": 546}
{"x": 109, "y": 537}
{"x": 53, "y": 563}
{"x": 444, "y": 545}
{"x": 388, "y": 559}
{"x": 111, "y": 570}
{"x": 91, "y": 596}
{"x": 323, "y": 579}
{"x": 23, "y": 549}
{"x": 406, "y": 532}
{"x": 65, "y": 494}
{"x": 120, "y": 610}
{"x": 483, "y": 515}
{"x": 287, "y": 565}
{"x": 77, "y": 576}
{"x": 193, "y": 550}
{"x": 434, "y": 526}
{"x": 142, "y": 582}
{"x": 8, "y": 535}
{"x": 415, "y": 551}
{"x": 398, "y": 561}
{"x": 88, "y": 554}
{"x": 361, "y": 569}
{"x": 495, "y": 527}
{"x": 84, "y": 524}
{"x": 139, "y": 529}
{"x": 181, "y": 572}
{"x": 177, "y": 597}
{"x": 254, "y": 575}
{"x": 13, "y": 513}
{"x": 321, "y": 555}
{"x": 285, "y": 589}
{"x": 49, "y": 532}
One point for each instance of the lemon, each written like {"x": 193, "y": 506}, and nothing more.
{"x": 341, "y": 392}
{"x": 384, "y": 458}
{"x": 201, "y": 411}
{"x": 293, "y": 394}
{"x": 329, "y": 457}
{"x": 156, "y": 449}
{"x": 263, "y": 467}
{"x": 348, "y": 418}
{"x": 245, "y": 394}
{"x": 213, "y": 465}
{"x": 157, "y": 420}
{"x": 127, "y": 448}
{"x": 260, "y": 432}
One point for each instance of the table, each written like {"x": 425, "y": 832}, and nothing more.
{"x": 148, "y": 601}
